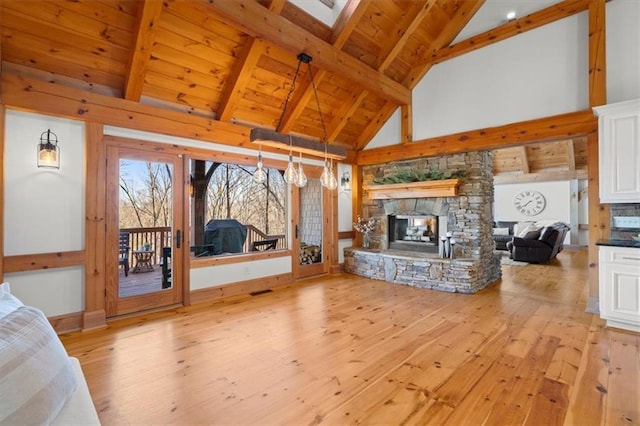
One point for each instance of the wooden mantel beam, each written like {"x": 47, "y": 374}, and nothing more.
{"x": 257, "y": 21}
{"x": 546, "y": 129}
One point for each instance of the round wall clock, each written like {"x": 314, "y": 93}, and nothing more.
{"x": 529, "y": 203}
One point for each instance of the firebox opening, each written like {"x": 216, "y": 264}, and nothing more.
{"x": 413, "y": 233}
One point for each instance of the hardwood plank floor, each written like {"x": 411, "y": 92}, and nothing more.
{"x": 348, "y": 350}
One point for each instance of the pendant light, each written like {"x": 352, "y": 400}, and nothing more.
{"x": 290, "y": 175}
{"x": 302, "y": 178}
{"x": 260, "y": 175}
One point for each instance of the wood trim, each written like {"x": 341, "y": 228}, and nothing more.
{"x": 346, "y": 235}
{"x": 534, "y": 20}
{"x": 55, "y": 99}
{"x": 252, "y": 18}
{"x": 92, "y": 320}
{"x": 432, "y": 188}
{"x": 38, "y": 261}
{"x": 66, "y": 323}
{"x": 597, "y": 53}
{"x": 540, "y": 177}
{"x": 204, "y": 262}
{"x": 545, "y": 129}
{"x": 95, "y": 237}
{"x": 240, "y": 288}
{"x": 406, "y": 124}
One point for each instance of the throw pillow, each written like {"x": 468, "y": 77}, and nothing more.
{"x": 533, "y": 235}
{"x": 500, "y": 231}
{"x": 521, "y": 229}
{"x": 36, "y": 375}
{"x": 8, "y": 302}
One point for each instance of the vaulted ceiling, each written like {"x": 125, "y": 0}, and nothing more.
{"x": 233, "y": 61}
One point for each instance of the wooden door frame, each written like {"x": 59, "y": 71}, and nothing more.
{"x": 329, "y": 214}
{"x": 145, "y": 151}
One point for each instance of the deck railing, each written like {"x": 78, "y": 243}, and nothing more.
{"x": 160, "y": 236}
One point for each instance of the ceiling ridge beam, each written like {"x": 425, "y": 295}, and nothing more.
{"x": 253, "y": 19}
{"x": 148, "y": 18}
{"x": 544, "y": 129}
{"x": 526, "y": 23}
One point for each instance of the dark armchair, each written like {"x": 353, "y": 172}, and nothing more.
{"x": 542, "y": 249}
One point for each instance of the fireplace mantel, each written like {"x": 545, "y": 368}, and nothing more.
{"x": 431, "y": 188}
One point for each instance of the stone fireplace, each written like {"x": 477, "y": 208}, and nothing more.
{"x": 413, "y": 232}
{"x": 467, "y": 217}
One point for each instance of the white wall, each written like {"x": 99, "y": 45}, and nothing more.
{"x": 535, "y": 74}
{"x": 345, "y": 210}
{"x": 44, "y": 209}
{"x": 215, "y": 276}
{"x": 539, "y": 73}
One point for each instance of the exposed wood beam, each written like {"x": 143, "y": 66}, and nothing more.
{"x": 539, "y": 130}
{"x": 452, "y": 28}
{"x": 540, "y": 176}
{"x": 55, "y": 99}
{"x": 406, "y": 123}
{"x": 599, "y": 214}
{"x": 597, "y": 54}
{"x": 250, "y": 17}
{"x": 238, "y": 78}
{"x": 571, "y": 156}
{"x": 347, "y": 21}
{"x": 345, "y": 25}
{"x": 241, "y": 72}
{"x": 524, "y": 159}
{"x": 148, "y": 17}
{"x": 342, "y": 117}
{"x": 534, "y": 20}
{"x": 412, "y": 27}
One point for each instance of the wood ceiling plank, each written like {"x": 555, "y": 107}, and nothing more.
{"x": 546, "y": 176}
{"x": 150, "y": 11}
{"x": 450, "y": 30}
{"x": 255, "y": 20}
{"x": 556, "y": 127}
{"x": 534, "y": 20}
{"x": 75, "y": 23}
{"x": 347, "y": 21}
{"x": 343, "y": 115}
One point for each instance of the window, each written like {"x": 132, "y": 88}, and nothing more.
{"x": 231, "y": 213}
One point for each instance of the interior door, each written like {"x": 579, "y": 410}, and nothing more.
{"x": 143, "y": 235}
{"x": 309, "y": 218}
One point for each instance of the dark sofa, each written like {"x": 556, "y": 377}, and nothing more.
{"x": 542, "y": 249}
{"x": 502, "y": 240}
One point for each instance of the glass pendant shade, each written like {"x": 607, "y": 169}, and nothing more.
{"x": 260, "y": 175}
{"x": 302, "y": 178}
{"x": 325, "y": 178}
{"x": 333, "y": 182}
{"x": 290, "y": 175}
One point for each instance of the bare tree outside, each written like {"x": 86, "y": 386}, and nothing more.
{"x": 145, "y": 194}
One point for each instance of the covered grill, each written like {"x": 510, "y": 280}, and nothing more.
{"x": 226, "y": 235}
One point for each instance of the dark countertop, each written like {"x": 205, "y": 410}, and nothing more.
{"x": 619, "y": 243}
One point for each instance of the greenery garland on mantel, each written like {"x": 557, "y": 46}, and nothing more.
{"x": 414, "y": 175}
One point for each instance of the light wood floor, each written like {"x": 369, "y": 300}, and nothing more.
{"x": 348, "y": 350}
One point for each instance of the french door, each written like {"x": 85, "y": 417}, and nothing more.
{"x": 143, "y": 230}
{"x": 310, "y": 214}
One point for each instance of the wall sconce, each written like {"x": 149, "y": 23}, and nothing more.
{"x": 345, "y": 181}
{"x": 48, "y": 151}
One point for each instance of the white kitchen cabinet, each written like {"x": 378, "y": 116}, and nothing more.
{"x": 619, "y": 151}
{"x": 620, "y": 287}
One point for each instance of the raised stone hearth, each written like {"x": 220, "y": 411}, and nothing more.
{"x": 468, "y": 216}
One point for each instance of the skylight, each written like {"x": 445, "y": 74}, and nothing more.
{"x": 321, "y": 9}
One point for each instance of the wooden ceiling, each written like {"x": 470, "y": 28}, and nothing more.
{"x": 234, "y": 60}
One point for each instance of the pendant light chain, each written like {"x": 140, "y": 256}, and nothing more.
{"x": 286, "y": 101}
{"x": 315, "y": 95}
